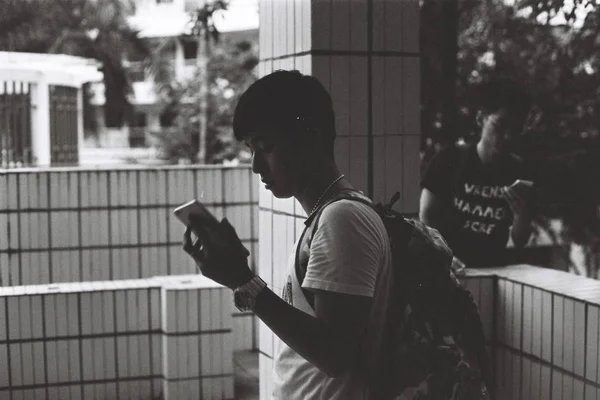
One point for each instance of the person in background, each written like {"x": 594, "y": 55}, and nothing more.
{"x": 326, "y": 344}
{"x": 478, "y": 196}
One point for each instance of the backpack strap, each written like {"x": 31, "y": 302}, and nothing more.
{"x": 312, "y": 223}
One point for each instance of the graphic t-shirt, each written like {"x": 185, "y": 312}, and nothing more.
{"x": 477, "y": 219}
{"x": 349, "y": 254}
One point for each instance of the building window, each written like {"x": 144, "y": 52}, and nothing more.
{"x": 190, "y": 49}
{"x": 139, "y": 119}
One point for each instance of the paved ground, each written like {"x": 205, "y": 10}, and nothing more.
{"x": 246, "y": 375}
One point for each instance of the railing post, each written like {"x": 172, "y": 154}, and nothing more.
{"x": 40, "y": 123}
{"x": 80, "y": 128}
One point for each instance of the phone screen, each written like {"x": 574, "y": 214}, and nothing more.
{"x": 195, "y": 208}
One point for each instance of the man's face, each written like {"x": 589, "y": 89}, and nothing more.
{"x": 280, "y": 162}
{"x": 499, "y": 131}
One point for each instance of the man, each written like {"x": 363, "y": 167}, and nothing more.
{"x": 326, "y": 349}
{"x": 477, "y": 197}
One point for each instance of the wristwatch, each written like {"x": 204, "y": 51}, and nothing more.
{"x": 244, "y": 296}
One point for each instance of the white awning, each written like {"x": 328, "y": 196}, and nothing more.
{"x": 54, "y": 69}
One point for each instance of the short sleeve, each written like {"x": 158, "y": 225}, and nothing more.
{"x": 437, "y": 175}
{"x": 347, "y": 250}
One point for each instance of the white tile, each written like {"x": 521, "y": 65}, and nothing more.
{"x": 536, "y": 377}
{"x": 4, "y": 372}
{"x": 379, "y": 168}
{"x": 27, "y": 363}
{"x": 340, "y": 93}
{"x": 307, "y": 26}
{"x": 537, "y": 310}
{"x": 517, "y": 376}
{"x": 525, "y": 378}
{"x": 74, "y": 361}
{"x": 321, "y": 25}
{"x": 52, "y": 362}
{"x": 517, "y": 324}
{"x": 578, "y": 390}
{"x": 14, "y": 328}
{"x": 358, "y": 96}
{"x": 359, "y": 25}
{"x": 378, "y": 25}
{"x": 558, "y": 331}
{"x": 411, "y": 92}
{"x": 579, "y": 343}
{"x": 568, "y": 389}
{"x": 340, "y": 25}
{"x": 394, "y": 165}
{"x": 545, "y": 385}
{"x": 393, "y": 70}
{"x": 410, "y": 26}
{"x": 62, "y": 348}
{"x": 486, "y": 306}
{"x": 290, "y": 27}
{"x": 342, "y": 154}
{"x": 393, "y": 25}
{"x": 359, "y": 161}
{"x": 568, "y": 338}
{"x": 591, "y": 392}
{"x": 122, "y": 356}
{"x": 547, "y": 328}
{"x": 527, "y": 319}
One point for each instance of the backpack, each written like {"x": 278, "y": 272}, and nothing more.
{"x": 433, "y": 345}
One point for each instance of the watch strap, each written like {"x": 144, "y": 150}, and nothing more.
{"x": 245, "y": 295}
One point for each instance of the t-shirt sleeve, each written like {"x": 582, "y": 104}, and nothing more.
{"x": 346, "y": 251}
{"x": 437, "y": 175}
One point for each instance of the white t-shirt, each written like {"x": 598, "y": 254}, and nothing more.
{"x": 350, "y": 254}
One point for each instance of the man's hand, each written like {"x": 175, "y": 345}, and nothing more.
{"x": 218, "y": 252}
{"x": 518, "y": 196}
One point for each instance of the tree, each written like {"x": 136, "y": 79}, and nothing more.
{"x": 230, "y": 71}
{"x": 206, "y": 32}
{"x": 89, "y": 28}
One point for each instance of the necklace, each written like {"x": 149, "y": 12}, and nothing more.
{"x": 323, "y": 194}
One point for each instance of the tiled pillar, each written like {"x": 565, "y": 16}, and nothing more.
{"x": 366, "y": 53}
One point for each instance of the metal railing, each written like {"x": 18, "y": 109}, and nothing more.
{"x": 63, "y": 126}
{"x": 15, "y": 124}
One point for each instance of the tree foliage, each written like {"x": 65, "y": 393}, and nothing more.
{"x": 231, "y": 70}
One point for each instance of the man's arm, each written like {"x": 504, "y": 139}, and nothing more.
{"x": 331, "y": 340}
{"x": 431, "y": 209}
{"x": 521, "y": 229}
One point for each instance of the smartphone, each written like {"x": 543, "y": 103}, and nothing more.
{"x": 521, "y": 187}
{"x": 195, "y": 208}
{"x": 522, "y": 182}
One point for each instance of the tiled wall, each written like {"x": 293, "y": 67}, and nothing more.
{"x": 169, "y": 338}
{"x": 366, "y": 53}
{"x": 78, "y": 224}
{"x": 545, "y": 332}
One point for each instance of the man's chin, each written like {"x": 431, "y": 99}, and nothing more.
{"x": 278, "y": 193}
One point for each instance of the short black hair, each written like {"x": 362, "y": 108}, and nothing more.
{"x": 289, "y": 101}
{"x": 499, "y": 93}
